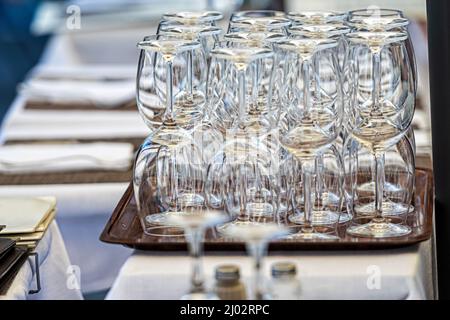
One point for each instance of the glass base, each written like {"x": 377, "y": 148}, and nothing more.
{"x": 260, "y": 209}
{"x": 157, "y": 219}
{"x": 379, "y": 228}
{"x": 370, "y": 187}
{"x": 389, "y": 208}
{"x": 310, "y": 234}
{"x": 200, "y": 296}
{"x": 319, "y": 218}
{"x": 187, "y": 200}
{"x": 164, "y": 231}
{"x": 224, "y": 229}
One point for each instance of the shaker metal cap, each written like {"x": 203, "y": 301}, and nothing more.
{"x": 280, "y": 269}
{"x": 227, "y": 272}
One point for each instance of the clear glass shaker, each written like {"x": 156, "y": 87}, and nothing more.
{"x": 284, "y": 284}
{"x": 228, "y": 285}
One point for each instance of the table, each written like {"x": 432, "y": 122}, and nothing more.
{"x": 83, "y": 209}
{"x": 57, "y": 280}
{"x": 404, "y": 273}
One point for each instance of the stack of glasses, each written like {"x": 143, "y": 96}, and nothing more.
{"x": 288, "y": 125}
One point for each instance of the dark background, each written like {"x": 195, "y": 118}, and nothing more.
{"x": 19, "y": 49}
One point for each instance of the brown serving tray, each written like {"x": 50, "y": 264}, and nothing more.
{"x": 124, "y": 227}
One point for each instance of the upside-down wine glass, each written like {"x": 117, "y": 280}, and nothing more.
{"x": 307, "y": 126}
{"x": 381, "y": 113}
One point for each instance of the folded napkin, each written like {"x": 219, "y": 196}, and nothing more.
{"x": 90, "y": 72}
{"x": 24, "y": 214}
{"x": 103, "y": 94}
{"x": 44, "y": 124}
{"x": 65, "y": 157}
{"x": 75, "y": 201}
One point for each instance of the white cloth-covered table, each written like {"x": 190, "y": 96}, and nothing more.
{"x": 83, "y": 209}
{"x": 57, "y": 279}
{"x": 404, "y": 273}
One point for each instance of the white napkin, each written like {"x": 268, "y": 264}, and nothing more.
{"x": 46, "y": 124}
{"x": 65, "y": 157}
{"x": 90, "y": 72}
{"x": 23, "y": 214}
{"x": 75, "y": 201}
{"x": 104, "y": 94}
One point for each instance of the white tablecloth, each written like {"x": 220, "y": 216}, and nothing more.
{"x": 404, "y": 273}
{"x": 57, "y": 279}
{"x": 83, "y": 209}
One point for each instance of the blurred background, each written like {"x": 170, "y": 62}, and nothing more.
{"x": 87, "y": 39}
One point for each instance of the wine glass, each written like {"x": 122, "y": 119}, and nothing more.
{"x": 308, "y": 127}
{"x": 232, "y": 95}
{"x": 208, "y": 36}
{"x": 256, "y": 237}
{"x": 315, "y": 17}
{"x": 260, "y": 106}
{"x": 208, "y": 18}
{"x": 383, "y": 20}
{"x": 327, "y": 198}
{"x": 399, "y": 176}
{"x": 150, "y": 167}
{"x": 386, "y": 20}
{"x": 336, "y": 31}
{"x": 257, "y": 14}
{"x": 151, "y": 84}
{"x": 263, "y": 24}
{"x": 381, "y": 112}
{"x": 190, "y": 101}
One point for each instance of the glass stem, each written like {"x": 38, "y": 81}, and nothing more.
{"x": 189, "y": 72}
{"x": 169, "y": 91}
{"x": 319, "y": 186}
{"x": 306, "y": 172}
{"x": 379, "y": 184}
{"x": 257, "y": 251}
{"x": 195, "y": 236}
{"x": 241, "y": 95}
{"x": 306, "y": 93}
{"x": 243, "y": 216}
{"x": 376, "y": 79}
{"x": 317, "y": 77}
{"x": 256, "y": 78}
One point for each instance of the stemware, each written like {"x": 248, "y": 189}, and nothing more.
{"x": 208, "y": 36}
{"x": 381, "y": 112}
{"x": 386, "y": 20}
{"x": 247, "y": 161}
{"x": 308, "y": 127}
{"x": 263, "y": 24}
{"x": 260, "y": 106}
{"x": 315, "y": 17}
{"x": 257, "y": 14}
{"x": 191, "y": 100}
{"x": 399, "y": 179}
{"x": 336, "y": 31}
{"x": 191, "y": 18}
{"x": 256, "y": 237}
{"x": 231, "y": 99}
{"x": 151, "y": 163}
{"x": 188, "y": 90}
